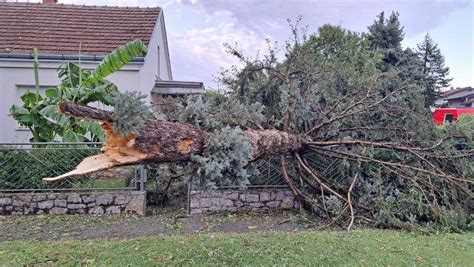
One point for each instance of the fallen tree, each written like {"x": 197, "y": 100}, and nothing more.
{"x": 162, "y": 142}
{"x": 326, "y": 103}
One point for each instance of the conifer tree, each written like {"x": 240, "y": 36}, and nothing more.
{"x": 386, "y": 34}
{"x": 434, "y": 70}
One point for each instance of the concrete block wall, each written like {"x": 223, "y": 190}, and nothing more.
{"x": 73, "y": 203}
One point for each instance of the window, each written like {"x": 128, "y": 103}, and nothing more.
{"x": 449, "y": 117}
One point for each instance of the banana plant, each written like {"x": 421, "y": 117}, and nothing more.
{"x": 40, "y": 113}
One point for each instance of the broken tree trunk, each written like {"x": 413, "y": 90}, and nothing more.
{"x": 162, "y": 141}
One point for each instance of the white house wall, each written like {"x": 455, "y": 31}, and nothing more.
{"x": 156, "y": 65}
{"x": 15, "y": 75}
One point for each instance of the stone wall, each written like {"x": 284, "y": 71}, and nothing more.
{"x": 73, "y": 203}
{"x": 241, "y": 200}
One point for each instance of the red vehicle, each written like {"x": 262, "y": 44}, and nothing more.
{"x": 443, "y": 115}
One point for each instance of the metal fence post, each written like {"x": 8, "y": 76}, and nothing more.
{"x": 143, "y": 177}
{"x": 190, "y": 185}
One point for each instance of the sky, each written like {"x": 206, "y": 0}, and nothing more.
{"x": 197, "y": 29}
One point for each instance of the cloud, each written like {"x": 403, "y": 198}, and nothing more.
{"x": 263, "y": 16}
{"x": 197, "y": 29}
{"x": 198, "y": 54}
{"x": 253, "y": 21}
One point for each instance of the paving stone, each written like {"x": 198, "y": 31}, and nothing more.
{"x": 195, "y": 203}
{"x": 206, "y": 203}
{"x": 74, "y": 198}
{"x": 273, "y": 204}
{"x": 18, "y": 203}
{"x": 226, "y": 202}
{"x": 287, "y": 202}
{"x": 104, "y": 199}
{"x": 256, "y": 205}
{"x": 62, "y": 203}
{"x": 40, "y": 197}
{"x": 251, "y": 197}
{"x": 47, "y": 204}
{"x": 76, "y": 206}
{"x": 58, "y": 211}
{"x": 137, "y": 204}
{"x": 238, "y": 204}
{"x": 121, "y": 200}
{"x": 112, "y": 210}
{"x": 96, "y": 210}
{"x": 216, "y": 201}
{"x": 232, "y": 195}
{"x": 88, "y": 198}
{"x": 29, "y": 211}
{"x": 280, "y": 195}
{"x": 265, "y": 196}
{"x": 25, "y": 198}
{"x": 5, "y": 201}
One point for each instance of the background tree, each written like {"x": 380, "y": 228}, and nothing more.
{"x": 434, "y": 69}
{"x": 423, "y": 67}
{"x": 386, "y": 34}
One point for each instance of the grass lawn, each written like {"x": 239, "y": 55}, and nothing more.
{"x": 362, "y": 247}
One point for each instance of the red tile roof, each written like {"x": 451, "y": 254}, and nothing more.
{"x": 59, "y": 29}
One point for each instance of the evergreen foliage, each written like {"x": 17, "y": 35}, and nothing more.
{"x": 423, "y": 67}
{"x": 434, "y": 69}
{"x": 227, "y": 154}
{"x": 395, "y": 166}
{"x": 130, "y": 113}
{"x": 386, "y": 34}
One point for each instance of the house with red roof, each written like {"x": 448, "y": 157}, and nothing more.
{"x": 78, "y": 32}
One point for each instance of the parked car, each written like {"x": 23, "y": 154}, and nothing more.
{"x": 449, "y": 115}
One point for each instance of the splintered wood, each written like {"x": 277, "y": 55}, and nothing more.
{"x": 116, "y": 151}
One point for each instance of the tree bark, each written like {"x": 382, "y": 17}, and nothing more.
{"x": 162, "y": 141}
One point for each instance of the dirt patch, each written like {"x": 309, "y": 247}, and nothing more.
{"x": 160, "y": 222}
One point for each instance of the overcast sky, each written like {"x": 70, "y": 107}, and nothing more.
{"x": 197, "y": 29}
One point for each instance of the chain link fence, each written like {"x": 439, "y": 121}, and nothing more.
{"x": 23, "y": 165}
{"x": 268, "y": 171}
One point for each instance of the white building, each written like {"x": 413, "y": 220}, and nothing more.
{"x": 59, "y": 32}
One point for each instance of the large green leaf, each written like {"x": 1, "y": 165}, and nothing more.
{"x": 92, "y": 127}
{"x": 52, "y": 92}
{"x": 31, "y": 99}
{"x": 116, "y": 60}
{"x": 70, "y": 136}
{"x": 104, "y": 93}
{"x": 52, "y": 114}
{"x": 21, "y": 115}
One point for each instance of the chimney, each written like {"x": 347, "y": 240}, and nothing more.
{"x": 50, "y": 2}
